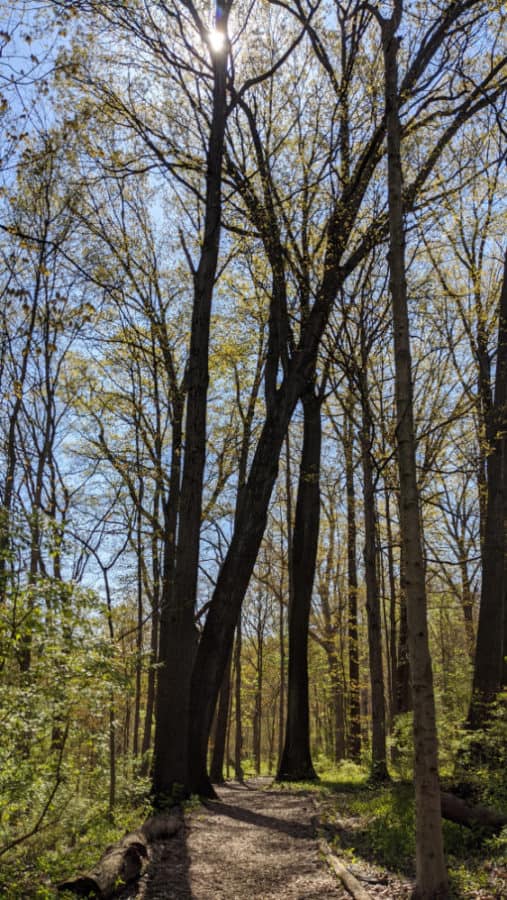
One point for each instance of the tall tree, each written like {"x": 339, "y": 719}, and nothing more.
{"x": 178, "y": 636}
{"x": 431, "y": 871}
{"x": 490, "y": 650}
{"x": 296, "y": 762}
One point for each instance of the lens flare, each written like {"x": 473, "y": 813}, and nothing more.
{"x": 217, "y": 40}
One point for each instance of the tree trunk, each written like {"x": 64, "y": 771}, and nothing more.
{"x": 456, "y": 810}
{"x": 238, "y": 733}
{"x": 281, "y": 699}
{"x": 259, "y": 685}
{"x": 488, "y": 673}
{"x": 232, "y": 582}
{"x": 337, "y": 704}
{"x": 150, "y": 694}
{"x": 393, "y": 656}
{"x": 123, "y": 862}
{"x": 167, "y": 761}
{"x": 139, "y": 630}
{"x": 179, "y": 632}
{"x": 217, "y": 760}
{"x": 431, "y": 875}
{"x": 379, "y": 756}
{"x": 403, "y": 698}
{"x": 296, "y": 762}
{"x": 354, "y": 733}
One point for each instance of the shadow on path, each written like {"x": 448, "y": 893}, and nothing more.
{"x": 291, "y": 827}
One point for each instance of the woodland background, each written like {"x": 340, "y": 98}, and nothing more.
{"x": 108, "y": 115}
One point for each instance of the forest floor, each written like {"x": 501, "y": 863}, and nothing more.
{"x": 256, "y": 843}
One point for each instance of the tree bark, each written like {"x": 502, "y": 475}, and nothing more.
{"x": 431, "y": 874}
{"x": 180, "y": 637}
{"x": 296, "y": 762}
{"x": 238, "y": 732}
{"x": 379, "y": 757}
{"x": 217, "y": 759}
{"x": 123, "y": 862}
{"x": 354, "y": 733}
{"x": 393, "y": 655}
{"x": 232, "y": 583}
{"x": 456, "y": 810}
{"x": 488, "y": 672}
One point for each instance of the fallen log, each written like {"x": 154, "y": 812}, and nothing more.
{"x": 349, "y": 880}
{"x": 123, "y": 862}
{"x": 457, "y": 810}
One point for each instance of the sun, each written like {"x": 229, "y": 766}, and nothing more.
{"x": 217, "y": 40}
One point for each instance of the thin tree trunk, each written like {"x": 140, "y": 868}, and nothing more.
{"x": 217, "y": 760}
{"x": 238, "y": 732}
{"x": 259, "y": 683}
{"x": 139, "y": 630}
{"x": 467, "y": 605}
{"x": 431, "y": 875}
{"x": 379, "y": 755}
{"x": 392, "y": 606}
{"x": 281, "y": 699}
{"x": 354, "y": 731}
{"x": 150, "y": 693}
{"x": 403, "y": 696}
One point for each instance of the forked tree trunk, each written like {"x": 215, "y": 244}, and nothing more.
{"x": 431, "y": 874}
{"x": 296, "y": 762}
{"x": 178, "y": 632}
{"x": 232, "y": 583}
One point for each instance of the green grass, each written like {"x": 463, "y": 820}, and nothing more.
{"x": 377, "y": 824}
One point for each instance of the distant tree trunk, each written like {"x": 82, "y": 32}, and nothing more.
{"x": 337, "y": 701}
{"x": 238, "y": 733}
{"x": 488, "y": 672}
{"x": 296, "y": 762}
{"x": 354, "y": 732}
{"x": 467, "y": 603}
{"x": 217, "y": 759}
{"x": 431, "y": 875}
{"x": 281, "y": 702}
{"x": 393, "y": 656}
{"x": 10, "y": 451}
{"x": 259, "y": 684}
{"x": 334, "y": 666}
{"x": 139, "y": 630}
{"x": 290, "y": 580}
{"x": 379, "y": 756}
{"x": 150, "y": 693}
{"x": 403, "y": 697}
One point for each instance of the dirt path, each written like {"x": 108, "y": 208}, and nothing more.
{"x": 254, "y": 844}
